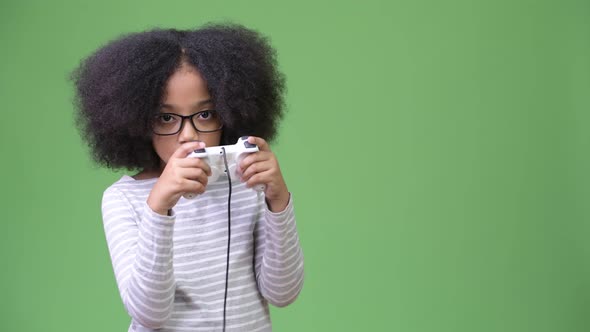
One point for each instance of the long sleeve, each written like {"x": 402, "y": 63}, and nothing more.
{"x": 278, "y": 257}
{"x": 140, "y": 246}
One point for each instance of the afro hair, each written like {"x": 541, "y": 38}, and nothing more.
{"x": 120, "y": 87}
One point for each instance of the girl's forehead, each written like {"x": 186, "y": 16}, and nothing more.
{"x": 186, "y": 85}
{"x": 196, "y": 105}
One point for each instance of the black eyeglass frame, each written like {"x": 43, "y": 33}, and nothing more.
{"x": 190, "y": 117}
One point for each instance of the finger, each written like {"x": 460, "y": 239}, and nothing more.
{"x": 193, "y": 187}
{"x": 194, "y": 163}
{"x": 259, "y": 178}
{"x": 186, "y": 148}
{"x": 254, "y": 158}
{"x": 194, "y": 174}
{"x": 254, "y": 169}
{"x": 260, "y": 142}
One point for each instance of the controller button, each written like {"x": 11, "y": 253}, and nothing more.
{"x": 200, "y": 151}
{"x": 249, "y": 145}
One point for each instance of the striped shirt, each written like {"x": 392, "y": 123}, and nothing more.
{"x": 170, "y": 270}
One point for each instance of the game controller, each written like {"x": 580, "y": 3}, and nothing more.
{"x": 213, "y": 156}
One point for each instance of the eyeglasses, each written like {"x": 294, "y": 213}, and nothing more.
{"x": 170, "y": 124}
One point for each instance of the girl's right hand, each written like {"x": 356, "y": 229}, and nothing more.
{"x": 181, "y": 175}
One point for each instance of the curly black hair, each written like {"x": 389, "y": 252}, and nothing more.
{"x": 120, "y": 86}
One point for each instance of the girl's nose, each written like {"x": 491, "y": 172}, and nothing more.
{"x": 188, "y": 132}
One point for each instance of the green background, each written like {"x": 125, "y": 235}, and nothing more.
{"x": 437, "y": 152}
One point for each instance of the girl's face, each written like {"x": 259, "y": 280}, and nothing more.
{"x": 186, "y": 94}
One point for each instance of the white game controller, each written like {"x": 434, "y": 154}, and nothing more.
{"x": 214, "y": 158}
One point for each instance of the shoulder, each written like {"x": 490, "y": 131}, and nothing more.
{"x": 125, "y": 199}
{"x": 128, "y": 190}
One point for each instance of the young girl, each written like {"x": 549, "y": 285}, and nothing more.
{"x": 144, "y": 102}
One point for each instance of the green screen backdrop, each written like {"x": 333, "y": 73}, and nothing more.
{"x": 438, "y": 154}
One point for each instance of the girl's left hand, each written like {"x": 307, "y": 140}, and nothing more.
{"x": 262, "y": 167}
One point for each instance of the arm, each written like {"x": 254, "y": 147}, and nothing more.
{"x": 140, "y": 247}
{"x": 278, "y": 260}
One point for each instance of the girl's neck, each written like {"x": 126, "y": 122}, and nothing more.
{"x": 143, "y": 175}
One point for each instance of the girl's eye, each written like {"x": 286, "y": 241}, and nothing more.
{"x": 166, "y": 118}
{"x": 205, "y": 115}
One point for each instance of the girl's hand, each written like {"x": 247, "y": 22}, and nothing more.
{"x": 181, "y": 175}
{"x": 262, "y": 167}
